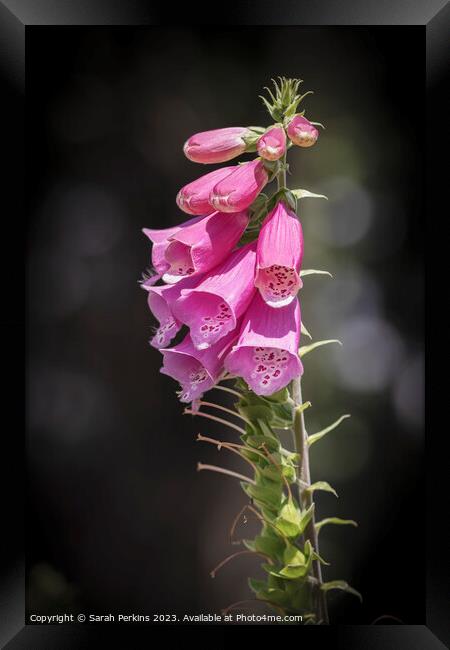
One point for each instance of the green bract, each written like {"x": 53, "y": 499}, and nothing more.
{"x": 283, "y": 100}
{"x": 287, "y": 555}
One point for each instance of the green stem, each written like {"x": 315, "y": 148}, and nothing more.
{"x": 281, "y": 177}
{"x": 306, "y": 498}
{"x": 301, "y": 447}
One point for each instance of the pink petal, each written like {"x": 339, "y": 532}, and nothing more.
{"x": 213, "y": 307}
{"x": 216, "y": 146}
{"x": 196, "y": 370}
{"x": 193, "y": 198}
{"x": 279, "y": 257}
{"x": 160, "y": 239}
{"x": 160, "y": 301}
{"x": 203, "y": 245}
{"x": 149, "y": 278}
{"x": 301, "y": 132}
{"x": 272, "y": 144}
{"x": 240, "y": 188}
{"x": 266, "y": 352}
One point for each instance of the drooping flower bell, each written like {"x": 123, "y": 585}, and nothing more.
{"x": 239, "y": 189}
{"x": 216, "y": 146}
{"x": 272, "y": 144}
{"x": 193, "y": 198}
{"x": 301, "y": 132}
{"x": 201, "y": 246}
{"x": 160, "y": 301}
{"x": 160, "y": 240}
{"x": 212, "y": 308}
{"x": 196, "y": 370}
{"x": 279, "y": 257}
{"x": 266, "y": 352}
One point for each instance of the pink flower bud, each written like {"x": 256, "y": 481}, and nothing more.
{"x": 216, "y": 146}
{"x": 213, "y": 307}
{"x": 196, "y": 370}
{"x": 301, "y": 132}
{"x": 266, "y": 352}
{"x": 200, "y": 247}
{"x": 240, "y": 188}
{"x": 279, "y": 257}
{"x": 193, "y": 198}
{"x": 272, "y": 144}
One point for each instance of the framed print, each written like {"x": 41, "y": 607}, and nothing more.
{"x": 224, "y": 322}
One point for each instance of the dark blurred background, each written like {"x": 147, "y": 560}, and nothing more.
{"x": 118, "y": 518}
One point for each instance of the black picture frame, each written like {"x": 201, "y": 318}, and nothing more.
{"x": 19, "y": 16}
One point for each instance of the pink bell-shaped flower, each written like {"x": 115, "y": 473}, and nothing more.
{"x": 279, "y": 257}
{"x": 160, "y": 301}
{"x": 212, "y": 308}
{"x": 216, "y": 146}
{"x": 196, "y": 370}
{"x": 160, "y": 240}
{"x": 201, "y": 246}
{"x": 240, "y": 188}
{"x": 266, "y": 352}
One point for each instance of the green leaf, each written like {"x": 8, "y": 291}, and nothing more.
{"x": 321, "y": 485}
{"x": 306, "y": 194}
{"x": 292, "y": 521}
{"x": 275, "y": 582}
{"x": 289, "y": 520}
{"x": 270, "y": 545}
{"x": 299, "y": 592}
{"x": 269, "y": 495}
{"x": 305, "y": 349}
{"x": 320, "y": 434}
{"x": 274, "y": 595}
{"x": 267, "y": 431}
{"x": 293, "y": 556}
{"x": 337, "y": 521}
{"x": 258, "y": 205}
{"x": 256, "y": 585}
{"x": 282, "y": 416}
{"x": 299, "y": 570}
{"x": 258, "y": 441}
{"x": 290, "y": 111}
{"x": 305, "y": 332}
{"x": 306, "y": 517}
{"x": 294, "y": 572}
{"x": 280, "y": 396}
{"x": 273, "y": 473}
{"x": 241, "y": 385}
{"x": 255, "y": 412}
{"x": 314, "y": 272}
{"x": 316, "y": 556}
{"x": 248, "y": 236}
{"x": 267, "y": 105}
{"x": 251, "y": 139}
{"x": 275, "y": 410}
{"x": 340, "y": 584}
